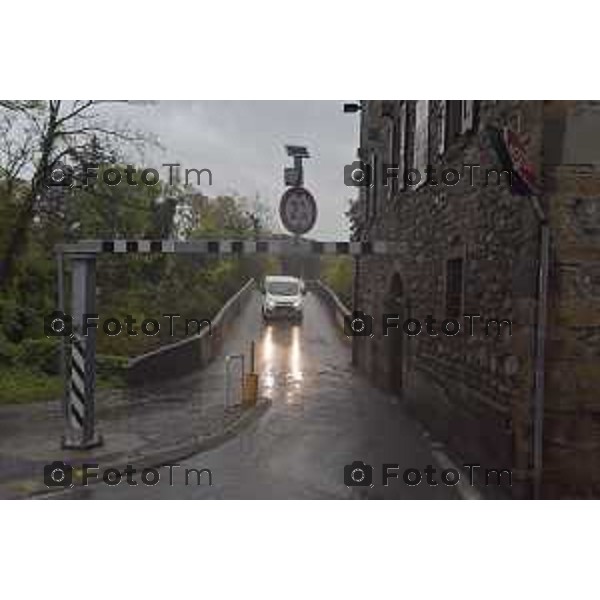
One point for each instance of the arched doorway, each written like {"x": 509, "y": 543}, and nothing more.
{"x": 395, "y": 303}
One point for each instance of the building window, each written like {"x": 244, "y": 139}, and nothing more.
{"x": 442, "y": 127}
{"x": 452, "y": 121}
{"x": 390, "y": 176}
{"x": 468, "y": 107}
{"x": 375, "y": 188}
{"x": 455, "y": 117}
{"x": 421, "y": 145}
{"x": 401, "y": 145}
{"x": 454, "y": 287}
{"x": 370, "y": 191}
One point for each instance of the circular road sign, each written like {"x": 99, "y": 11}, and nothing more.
{"x": 298, "y": 210}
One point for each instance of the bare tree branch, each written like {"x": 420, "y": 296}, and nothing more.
{"x": 75, "y": 112}
{"x": 46, "y": 132}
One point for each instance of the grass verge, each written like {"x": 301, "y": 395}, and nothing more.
{"x": 21, "y": 386}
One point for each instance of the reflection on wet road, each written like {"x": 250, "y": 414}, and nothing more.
{"x": 323, "y": 416}
{"x": 280, "y": 361}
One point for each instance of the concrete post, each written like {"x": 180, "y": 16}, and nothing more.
{"x": 60, "y": 303}
{"x": 80, "y": 430}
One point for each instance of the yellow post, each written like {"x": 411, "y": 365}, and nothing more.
{"x": 250, "y": 387}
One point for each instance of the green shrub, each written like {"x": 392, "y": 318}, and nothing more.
{"x": 8, "y": 351}
{"x": 41, "y": 354}
{"x": 337, "y": 273}
{"x": 111, "y": 370}
{"x": 10, "y": 318}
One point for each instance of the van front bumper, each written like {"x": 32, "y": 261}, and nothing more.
{"x": 283, "y": 312}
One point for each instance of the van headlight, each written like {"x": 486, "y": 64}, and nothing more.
{"x": 297, "y": 303}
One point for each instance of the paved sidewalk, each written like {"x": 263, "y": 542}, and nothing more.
{"x": 143, "y": 427}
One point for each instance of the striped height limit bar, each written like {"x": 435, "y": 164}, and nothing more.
{"x": 229, "y": 247}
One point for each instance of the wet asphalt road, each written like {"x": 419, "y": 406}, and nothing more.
{"x": 323, "y": 416}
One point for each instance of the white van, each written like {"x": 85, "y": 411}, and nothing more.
{"x": 282, "y": 298}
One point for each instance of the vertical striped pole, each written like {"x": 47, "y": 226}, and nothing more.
{"x": 80, "y": 427}
{"x": 76, "y": 411}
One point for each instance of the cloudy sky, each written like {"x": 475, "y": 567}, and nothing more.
{"x": 242, "y": 143}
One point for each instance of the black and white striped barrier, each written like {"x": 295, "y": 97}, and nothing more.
{"x": 231, "y": 247}
{"x": 76, "y": 408}
{"x": 79, "y": 402}
{"x": 80, "y": 431}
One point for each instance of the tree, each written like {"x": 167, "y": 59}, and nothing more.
{"x": 224, "y": 216}
{"x": 108, "y": 211}
{"x": 261, "y": 215}
{"x": 38, "y": 135}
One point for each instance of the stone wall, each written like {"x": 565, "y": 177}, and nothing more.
{"x": 473, "y": 392}
{"x": 572, "y": 191}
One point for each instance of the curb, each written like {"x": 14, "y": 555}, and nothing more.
{"x": 32, "y": 489}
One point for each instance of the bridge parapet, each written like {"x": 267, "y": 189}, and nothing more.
{"x": 337, "y": 308}
{"x": 187, "y": 355}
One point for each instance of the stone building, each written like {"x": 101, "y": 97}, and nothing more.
{"x": 521, "y": 246}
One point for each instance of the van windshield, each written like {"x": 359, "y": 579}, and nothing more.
{"x": 283, "y": 288}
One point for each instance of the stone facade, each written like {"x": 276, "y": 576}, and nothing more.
{"x": 473, "y": 248}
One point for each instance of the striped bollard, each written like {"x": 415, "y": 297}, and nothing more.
{"x": 80, "y": 418}
{"x": 76, "y": 410}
